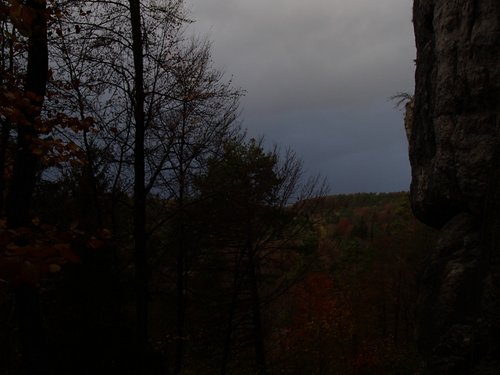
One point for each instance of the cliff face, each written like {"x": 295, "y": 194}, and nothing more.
{"x": 454, "y": 138}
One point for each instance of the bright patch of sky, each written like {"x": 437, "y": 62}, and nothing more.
{"x": 318, "y": 76}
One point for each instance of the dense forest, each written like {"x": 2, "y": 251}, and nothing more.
{"x": 142, "y": 231}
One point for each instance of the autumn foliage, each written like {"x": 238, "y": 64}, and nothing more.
{"x": 353, "y": 312}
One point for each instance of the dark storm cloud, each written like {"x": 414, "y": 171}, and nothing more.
{"x": 318, "y": 74}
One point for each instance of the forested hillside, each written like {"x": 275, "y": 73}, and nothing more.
{"x": 336, "y": 295}
{"x": 353, "y": 309}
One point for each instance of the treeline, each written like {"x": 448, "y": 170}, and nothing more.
{"x": 354, "y": 310}
{"x": 140, "y": 230}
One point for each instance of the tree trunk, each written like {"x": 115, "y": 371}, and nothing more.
{"x": 181, "y": 300}
{"x": 181, "y": 253}
{"x": 4, "y": 141}
{"x": 139, "y": 214}
{"x": 229, "y": 332}
{"x": 6, "y": 127}
{"x": 25, "y": 162}
{"x": 33, "y": 338}
{"x": 260, "y": 353}
{"x": 180, "y": 284}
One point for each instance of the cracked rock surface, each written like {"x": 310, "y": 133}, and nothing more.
{"x": 454, "y": 148}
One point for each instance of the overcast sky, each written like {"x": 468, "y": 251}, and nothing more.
{"x": 318, "y": 75}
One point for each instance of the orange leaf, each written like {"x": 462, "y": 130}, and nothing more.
{"x": 95, "y": 243}
{"x": 64, "y": 249}
{"x": 38, "y": 151}
{"x": 105, "y": 234}
{"x": 54, "y": 268}
{"x": 74, "y": 224}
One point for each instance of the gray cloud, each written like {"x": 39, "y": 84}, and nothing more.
{"x": 318, "y": 75}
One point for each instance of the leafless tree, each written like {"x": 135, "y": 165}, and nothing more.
{"x": 159, "y": 108}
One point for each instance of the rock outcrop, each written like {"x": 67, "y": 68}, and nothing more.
{"x": 455, "y": 157}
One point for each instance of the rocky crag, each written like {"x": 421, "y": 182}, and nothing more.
{"x": 453, "y": 127}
